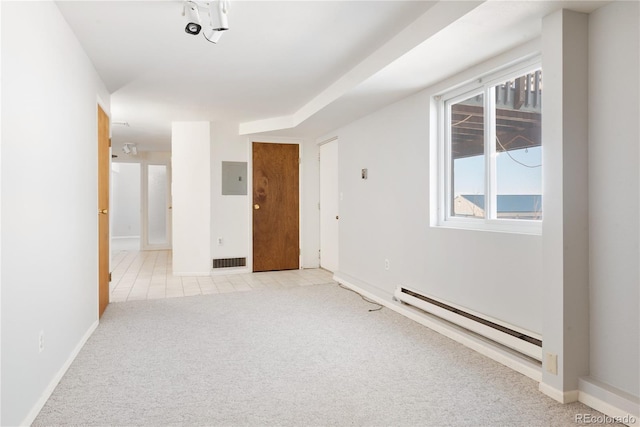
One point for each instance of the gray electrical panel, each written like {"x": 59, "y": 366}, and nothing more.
{"x": 234, "y": 178}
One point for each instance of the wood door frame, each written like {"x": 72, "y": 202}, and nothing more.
{"x": 250, "y": 142}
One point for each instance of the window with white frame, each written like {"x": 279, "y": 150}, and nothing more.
{"x": 491, "y": 145}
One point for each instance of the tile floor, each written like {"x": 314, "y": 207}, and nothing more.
{"x": 141, "y": 275}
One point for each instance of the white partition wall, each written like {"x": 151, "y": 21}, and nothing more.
{"x": 191, "y": 191}
{"x": 565, "y": 281}
{"x": 614, "y": 244}
{"x": 50, "y": 94}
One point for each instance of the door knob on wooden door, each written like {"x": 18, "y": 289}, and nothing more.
{"x": 256, "y": 206}
{"x": 103, "y": 211}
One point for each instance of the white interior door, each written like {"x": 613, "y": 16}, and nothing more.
{"x": 329, "y": 209}
{"x": 157, "y": 207}
{"x": 125, "y": 206}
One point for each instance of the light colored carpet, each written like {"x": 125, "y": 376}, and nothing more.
{"x": 304, "y": 356}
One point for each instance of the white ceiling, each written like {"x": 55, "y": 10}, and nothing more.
{"x": 305, "y": 66}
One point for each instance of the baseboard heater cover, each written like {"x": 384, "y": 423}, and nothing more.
{"x": 525, "y": 342}
{"x": 229, "y": 262}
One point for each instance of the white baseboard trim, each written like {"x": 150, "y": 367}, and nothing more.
{"x": 617, "y": 404}
{"x": 243, "y": 270}
{"x": 310, "y": 266}
{"x": 458, "y": 334}
{"x": 558, "y": 395}
{"x": 31, "y": 416}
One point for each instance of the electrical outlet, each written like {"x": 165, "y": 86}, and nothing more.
{"x": 387, "y": 264}
{"x": 41, "y": 341}
{"x": 551, "y": 363}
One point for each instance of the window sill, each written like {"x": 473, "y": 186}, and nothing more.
{"x": 526, "y": 227}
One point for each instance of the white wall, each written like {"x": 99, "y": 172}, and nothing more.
{"x": 614, "y": 90}
{"x": 125, "y": 201}
{"x": 230, "y": 216}
{"x": 578, "y": 283}
{"x": 191, "y": 190}
{"x": 310, "y": 225}
{"x": 49, "y": 202}
{"x": 387, "y": 216}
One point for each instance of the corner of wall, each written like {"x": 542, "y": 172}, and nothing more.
{"x": 558, "y": 395}
{"x": 565, "y": 226}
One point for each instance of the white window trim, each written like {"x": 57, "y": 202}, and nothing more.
{"x": 478, "y": 86}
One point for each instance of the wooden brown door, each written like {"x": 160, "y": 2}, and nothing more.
{"x": 275, "y": 207}
{"x": 103, "y": 211}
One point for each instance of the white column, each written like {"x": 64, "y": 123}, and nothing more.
{"x": 565, "y": 236}
{"x": 191, "y": 193}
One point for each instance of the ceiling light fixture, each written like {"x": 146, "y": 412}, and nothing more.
{"x": 211, "y": 35}
{"x": 193, "y": 28}
{"x": 211, "y": 22}
{"x": 219, "y": 15}
{"x": 190, "y": 10}
{"x": 130, "y": 149}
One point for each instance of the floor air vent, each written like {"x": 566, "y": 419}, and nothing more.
{"x": 511, "y": 336}
{"x": 229, "y": 262}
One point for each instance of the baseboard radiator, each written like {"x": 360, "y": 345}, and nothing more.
{"x": 524, "y": 342}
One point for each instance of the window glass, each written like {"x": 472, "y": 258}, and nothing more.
{"x": 490, "y": 136}
{"x": 467, "y": 157}
{"x": 518, "y": 147}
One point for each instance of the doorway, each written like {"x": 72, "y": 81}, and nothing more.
{"x": 141, "y": 206}
{"x": 329, "y": 206}
{"x": 276, "y": 206}
{"x": 156, "y": 206}
{"x": 125, "y": 206}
